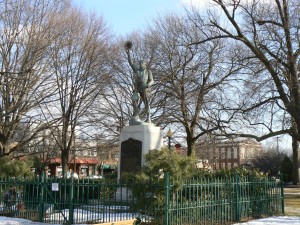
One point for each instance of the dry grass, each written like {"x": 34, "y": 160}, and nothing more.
{"x": 291, "y": 191}
{"x": 127, "y": 222}
{"x": 292, "y": 201}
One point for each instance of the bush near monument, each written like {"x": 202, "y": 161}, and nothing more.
{"x": 149, "y": 182}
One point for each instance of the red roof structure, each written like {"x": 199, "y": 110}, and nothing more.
{"x": 77, "y": 160}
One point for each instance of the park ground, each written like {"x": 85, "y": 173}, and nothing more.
{"x": 292, "y": 200}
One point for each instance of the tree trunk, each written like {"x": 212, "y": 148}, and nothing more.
{"x": 296, "y": 160}
{"x": 190, "y": 146}
{"x": 64, "y": 162}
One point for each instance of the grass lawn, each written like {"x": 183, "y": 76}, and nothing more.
{"x": 292, "y": 201}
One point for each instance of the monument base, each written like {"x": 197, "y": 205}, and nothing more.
{"x": 135, "y": 142}
{"x": 123, "y": 194}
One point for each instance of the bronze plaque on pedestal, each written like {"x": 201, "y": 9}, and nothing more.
{"x": 131, "y": 156}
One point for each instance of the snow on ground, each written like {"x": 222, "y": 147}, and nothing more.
{"x": 274, "y": 221}
{"x": 17, "y": 221}
{"x": 266, "y": 221}
{"x": 83, "y": 215}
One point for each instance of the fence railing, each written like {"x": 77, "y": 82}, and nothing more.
{"x": 224, "y": 201}
{"x": 191, "y": 201}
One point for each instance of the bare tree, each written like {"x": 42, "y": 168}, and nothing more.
{"x": 192, "y": 78}
{"x": 26, "y": 33}
{"x": 269, "y": 161}
{"x": 111, "y": 110}
{"x": 269, "y": 30}
{"x": 79, "y": 66}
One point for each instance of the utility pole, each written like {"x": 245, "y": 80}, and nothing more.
{"x": 277, "y": 145}
{"x": 169, "y": 136}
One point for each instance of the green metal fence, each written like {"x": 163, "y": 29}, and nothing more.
{"x": 191, "y": 201}
{"x": 223, "y": 201}
{"x": 71, "y": 201}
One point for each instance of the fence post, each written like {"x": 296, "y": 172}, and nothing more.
{"x": 167, "y": 193}
{"x": 237, "y": 194}
{"x": 41, "y": 203}
{"x": 71, "y": 201}
{"x": 282, "y": 193}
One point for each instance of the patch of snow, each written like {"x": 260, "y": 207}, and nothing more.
{"x": 17, "y": 221}
{"x": 276, "y": 220}
{"x": 279, "y": 220}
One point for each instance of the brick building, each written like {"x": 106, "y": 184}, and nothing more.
{"x": 228, "y": 154}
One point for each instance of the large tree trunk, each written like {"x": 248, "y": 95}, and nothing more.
{"x": 296, "y": 160}
{"x": 64, "y": 162}
{"x": 190, "y": 144}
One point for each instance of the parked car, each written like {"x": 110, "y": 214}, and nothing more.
{"x": 94, "y": 177}
{"x": 69, "y": 175}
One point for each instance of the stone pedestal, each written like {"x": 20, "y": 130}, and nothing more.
{"x": 135, "y": 142}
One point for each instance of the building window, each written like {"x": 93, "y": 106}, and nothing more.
{"x": 95, "y": 152}
{"x": 222, "y": 153}
{"x": 250, "y": 153}
{"x": 215, "y": 155}
{"x": 242, "y": 153}
{"x": 229, "y": 152}
{"x": 235, "y": 153}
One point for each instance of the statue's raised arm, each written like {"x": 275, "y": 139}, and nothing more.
{"x": 128, "y": 47}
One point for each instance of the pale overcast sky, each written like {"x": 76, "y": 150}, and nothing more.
{"x": 125, "y": 16}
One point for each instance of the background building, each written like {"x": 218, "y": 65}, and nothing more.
{"x": 228, "y": 154}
